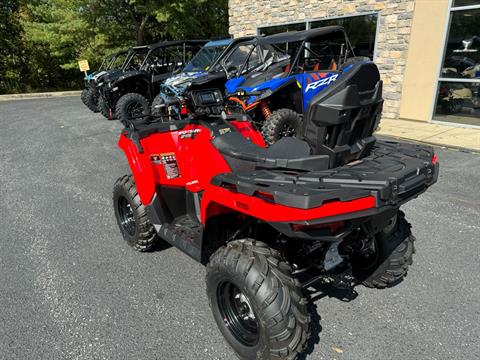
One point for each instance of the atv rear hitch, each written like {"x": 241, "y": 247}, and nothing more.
{"x": 341, "y": 280}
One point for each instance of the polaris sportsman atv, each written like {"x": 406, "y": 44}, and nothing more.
{"x": 90, "y": 94}
{"x": 286, "y": 85}
{"x": 131, "y": 94}
{"x": 270, "y": 222}
{"x": 206, "y": 70}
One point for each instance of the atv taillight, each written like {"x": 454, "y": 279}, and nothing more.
{"x": 183, "y": 108}
{"x": 333, "y": 227}
{"x": 434, "y": 159}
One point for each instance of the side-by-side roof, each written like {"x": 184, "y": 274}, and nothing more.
{"x": 176, "y": 43}
{"x": 302, "y": 35}
{"x": 222, "y": 42}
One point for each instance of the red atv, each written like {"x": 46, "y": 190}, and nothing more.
{"x": 270, "y": 222}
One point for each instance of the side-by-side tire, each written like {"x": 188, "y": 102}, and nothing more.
{"x": 83, "y": 96}
{"x": 105, "y": 110}
{"x": 131, "y": 215}
{"x": 132, "y": 107}
{"x": 281, "y": 123}
{"x": 258, "y": 306}
{"x": 158, "y": 106}
{"x": 393, "y": 254}
{"x": 91, "y": 99}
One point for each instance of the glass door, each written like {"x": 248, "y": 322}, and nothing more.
{"x": 458, "y": 92}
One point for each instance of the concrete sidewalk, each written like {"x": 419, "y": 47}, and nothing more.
{"x": 41, "y": 95}
{"x": 449, "y": 136}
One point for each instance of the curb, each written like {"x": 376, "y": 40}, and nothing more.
{"x": 452, "y": 147}
{"x": 43, "y": 95}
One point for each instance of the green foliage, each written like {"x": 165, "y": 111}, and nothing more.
{"x": 10, "y": 52}
{"x": 42, "y": 40}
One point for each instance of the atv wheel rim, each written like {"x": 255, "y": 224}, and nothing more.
{"x": 127, "y": 219}
{"x": 134, "y": 110}
{"x": 287, "y": 131}
{"x": 237, "y": 313}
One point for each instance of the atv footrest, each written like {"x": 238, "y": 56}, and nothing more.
{"x": 184, "y": 233}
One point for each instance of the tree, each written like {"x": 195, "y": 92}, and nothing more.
{"x": 10, "y": 45}
{"x": 44, "y": 39}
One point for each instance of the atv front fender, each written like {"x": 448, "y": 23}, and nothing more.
{"x": 141, "y": 167}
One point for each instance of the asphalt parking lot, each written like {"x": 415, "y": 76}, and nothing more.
{"x": 70, "y": 288}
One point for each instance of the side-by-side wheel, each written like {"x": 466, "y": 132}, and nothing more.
{"x": 281, "y": 123}
{"x": 132, "y": 107}
{"x": 83, "y": 96}
{"x": 91, "y": 99}
{"x": 105, "y": 110}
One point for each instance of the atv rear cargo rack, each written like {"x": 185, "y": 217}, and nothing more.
{"x": 393, "y": 173}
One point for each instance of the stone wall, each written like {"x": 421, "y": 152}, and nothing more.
{"x": 395, "y": 17}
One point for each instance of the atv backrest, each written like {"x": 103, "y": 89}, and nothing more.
{"x": 341, "y": 119}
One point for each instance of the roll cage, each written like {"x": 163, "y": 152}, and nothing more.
{"x": 219, "y": 63}
{"x": 171, "y": 51}
{"x": 304, "y": 45}
{"x": 110, "y": 61}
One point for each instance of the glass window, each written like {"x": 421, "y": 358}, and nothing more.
{"x": 205, "y": 58}
{"x": 462, "y": 55}
{"x": 253, "y": 60}
{"x": 458, "y": 102}
{"x": 323, "y": 53}
{"x": 238, "y": 56}
{"x": 361, "y": 31}
{"x": 457, "y": 3}
{"x": 458, "y": 93}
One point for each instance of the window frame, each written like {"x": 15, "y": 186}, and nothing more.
{"x": 308, "y": 24}
{"x": 439, "y": 78}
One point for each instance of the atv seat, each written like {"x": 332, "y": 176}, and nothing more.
{"x": 287, "y": 153}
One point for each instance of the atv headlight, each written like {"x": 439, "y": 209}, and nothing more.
{"x": 100, "y": 84}
{"x": 115, "y": 88}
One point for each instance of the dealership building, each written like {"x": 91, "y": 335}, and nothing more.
{"x": 428, "y": 51}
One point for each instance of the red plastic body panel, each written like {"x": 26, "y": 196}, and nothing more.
{"x": 198, "y": 161}
{"x": 219, "y": 200}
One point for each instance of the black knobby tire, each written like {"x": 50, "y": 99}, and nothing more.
{"x": 91, "y": 99}
{"x": 157, "y": 109}
{"x": 130, "y": 108}
{"x": 281, "y": 123}
{"x": 280, "y": 325}
{"x": 131, "y": 215}
{"x": 394, "y": 249}
{"x": 105, "y": 110}
{"x": 83, "y": 96}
